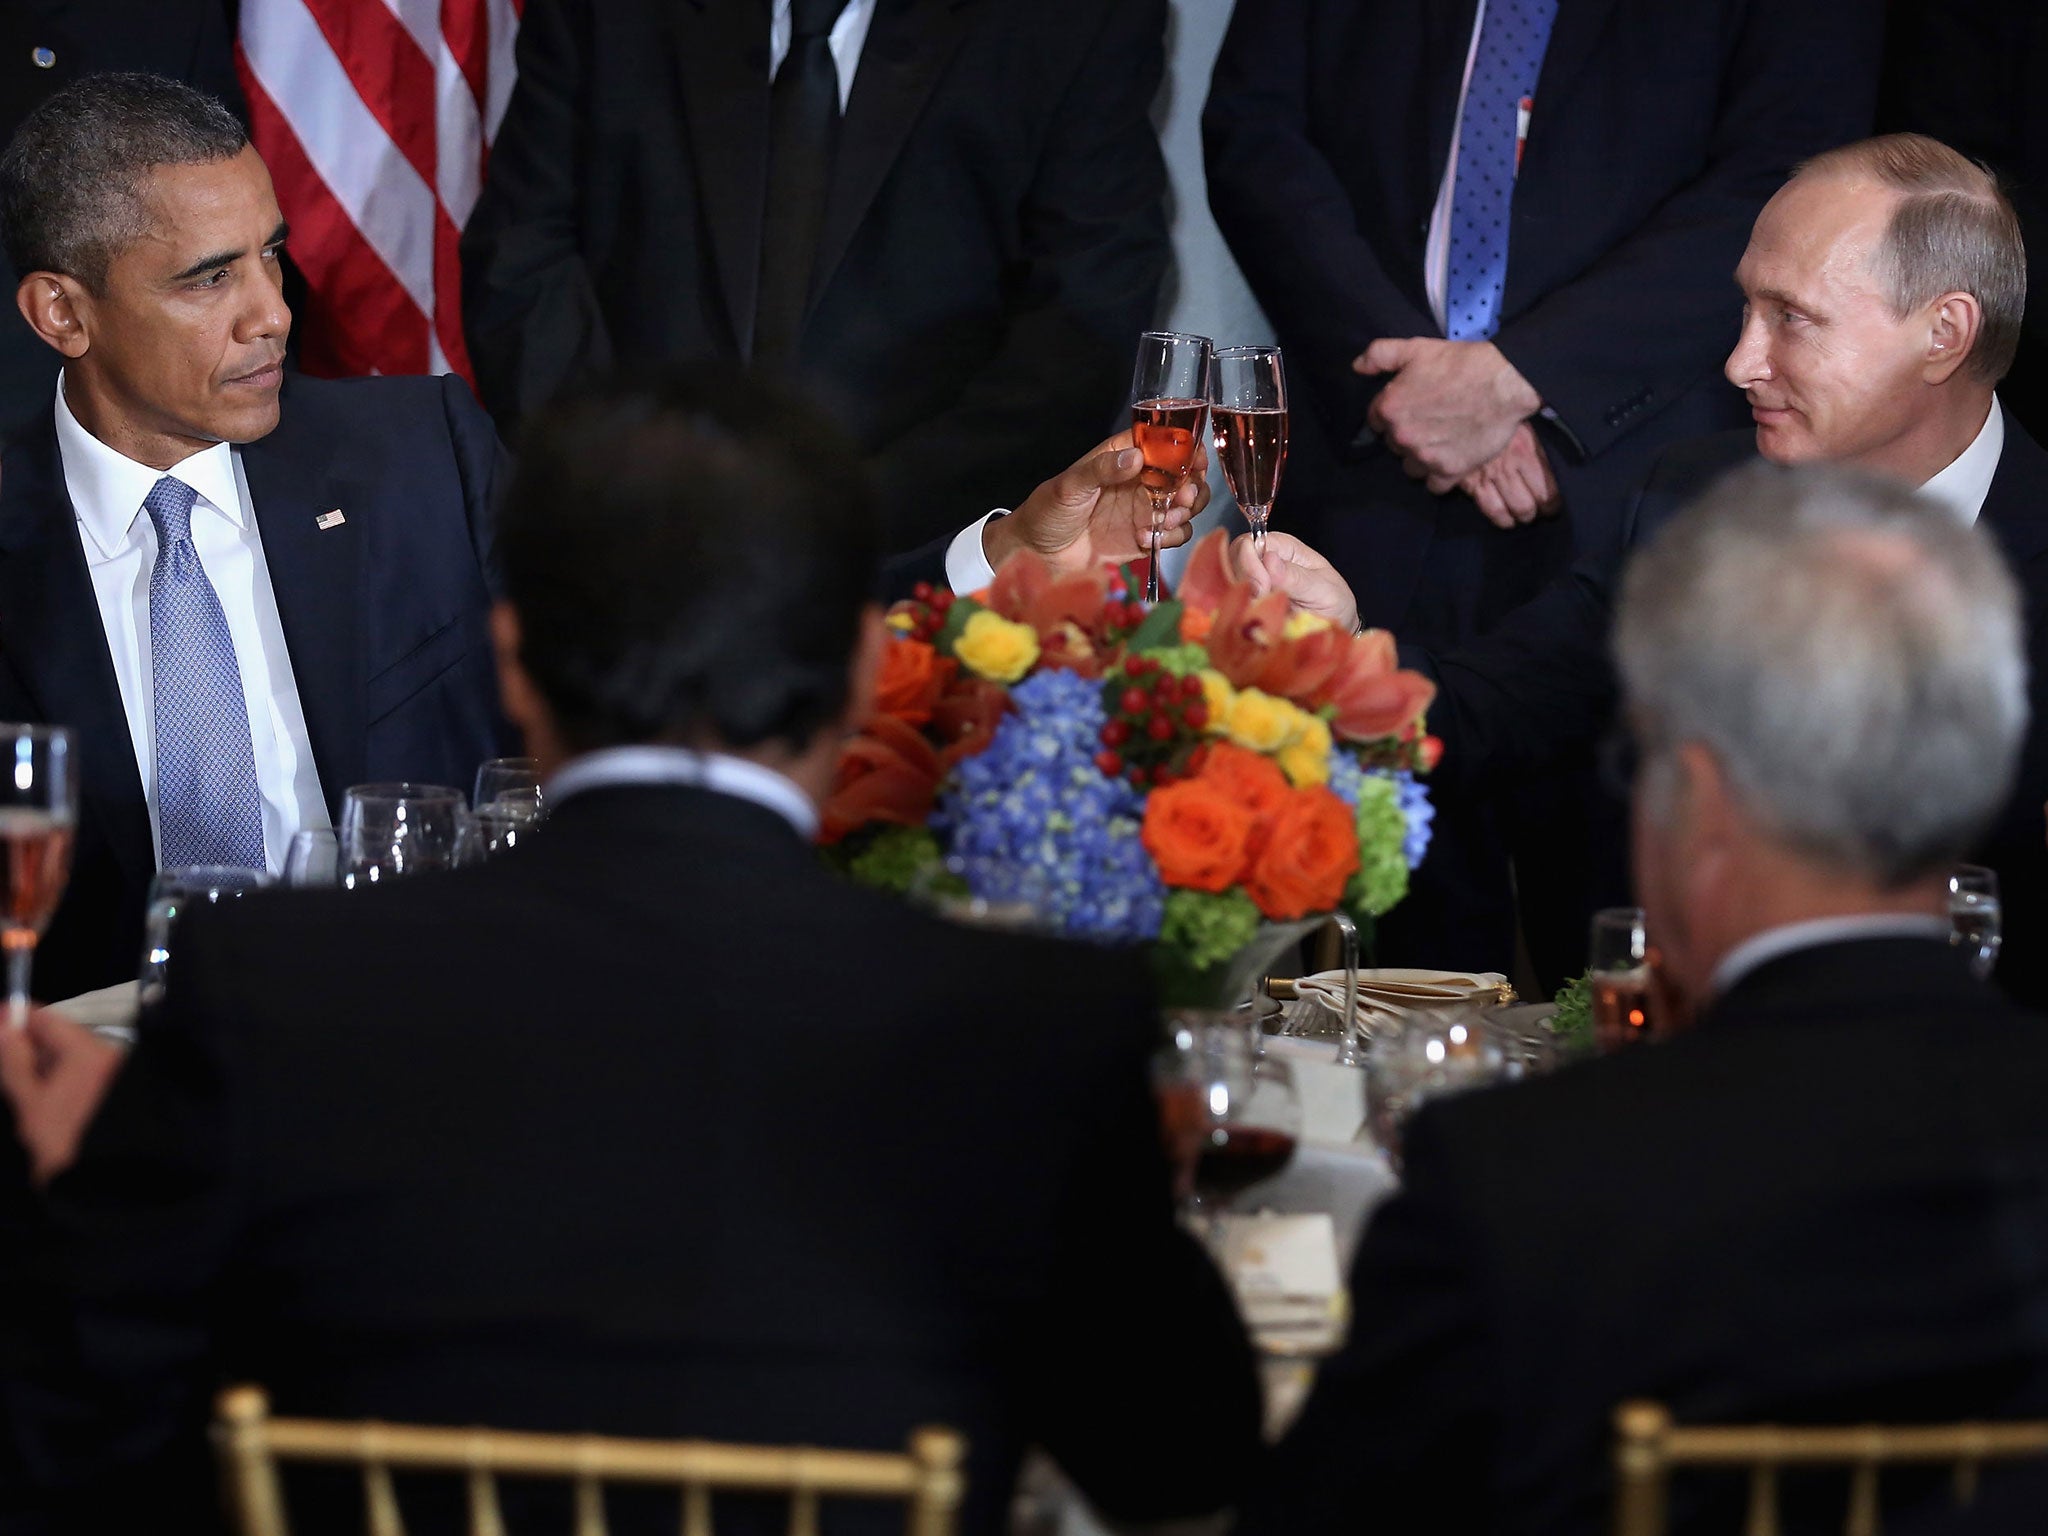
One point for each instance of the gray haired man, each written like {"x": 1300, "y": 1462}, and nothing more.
{"x": 1825, "y": 1200}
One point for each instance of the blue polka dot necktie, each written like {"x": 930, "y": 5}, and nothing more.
{"x": 1512, "y": 41}
{"x": 209, "y": 807}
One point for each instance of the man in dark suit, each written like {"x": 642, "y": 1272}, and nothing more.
{"x": 245, "y": 593}
{"x": 1822, "y": 1202}
{"x": 933, "y": 1201}
{"x": 943, "y": 218}
{"x": 44, "y": 46}
{"x": 1495, "y": 244}
{"x": 1846, "y": 355}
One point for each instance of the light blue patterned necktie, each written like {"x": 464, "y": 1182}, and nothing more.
{"x": 1512, "y": 41}
{"x": 209, "y": 807}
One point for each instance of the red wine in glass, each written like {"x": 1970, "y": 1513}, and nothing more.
{"x": 1235, "y": 1157}
{"x": 1249, "y": 402}
{"x": 1169, "y": 393}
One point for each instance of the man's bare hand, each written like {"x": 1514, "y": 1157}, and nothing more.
{"x": 1311, "y": 583}
{"x": 1516, "y": 486}
{"x": 1451, "y": 405}
{"x": 54, "y": 1073}
{"x": 1097, "y": 511}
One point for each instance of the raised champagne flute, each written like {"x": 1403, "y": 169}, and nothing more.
{"x": 1169, "y": 396}
{"x": 1248, "y": 415}
{"x": 38, "y": 817}
{"x": 1619, "y": 970}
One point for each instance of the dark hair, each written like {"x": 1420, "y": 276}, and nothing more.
{"x": 70, "y": 178}
{"x": 689, "y": 559}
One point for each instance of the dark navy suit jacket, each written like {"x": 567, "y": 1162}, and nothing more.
{"x": 385, "y": 614}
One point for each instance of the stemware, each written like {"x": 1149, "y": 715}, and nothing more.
{"x": 1974, "y": 915}
{"x": 1231, "y": 1116}
{"x": 1169, "y": 396}
{"x": 1248, "y": 416}
{"x": 1619, "y": 972}
{"x": 174, "y": 892}
{"x": 499, "y": 827}
{"x": 393, "y": 831}
{"x": 1425, "y": 1056}
{"x": 38, "y": 818}
{"x": 313, "y": 860}
{"x": 508, "y": 778}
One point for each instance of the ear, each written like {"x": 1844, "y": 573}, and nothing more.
{"x": 864, "y": 672}
{"x": 1954, "y": 323}
{"x": 520, "y": 699}
{"x": 58, "y": 309}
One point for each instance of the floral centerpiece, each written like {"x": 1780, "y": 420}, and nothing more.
{"x": 1212, "y": 774}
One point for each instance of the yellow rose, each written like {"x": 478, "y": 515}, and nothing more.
{"x": 902, "y": 623}
{"x": 991, "y": 646}
{"x": 1261, "y": 722}
{"x": 1217, "y": 697}
{"x": 1302, "y": 622}
{"x": 1306, "y": 759}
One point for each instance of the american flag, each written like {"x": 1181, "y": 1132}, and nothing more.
{"x": 375, "y": 117}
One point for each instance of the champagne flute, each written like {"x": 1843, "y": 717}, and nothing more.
{"x": 392, "y": 831}
{"x": 1169, "y": 395}
{"x": 1248, "y": 413}
{"x": 1974, "y": 916}
{"x": 38, "y": 817}
{"x": 1620, "y": 971}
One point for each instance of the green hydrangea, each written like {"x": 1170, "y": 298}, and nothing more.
{"x": 1208, "y": 929}
{"x": 895, "y": 858}
{"x": 1180, "y": 660}
{"x": 1382, "y": 878}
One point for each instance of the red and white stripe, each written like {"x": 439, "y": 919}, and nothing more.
{"x": 375, "y": 117}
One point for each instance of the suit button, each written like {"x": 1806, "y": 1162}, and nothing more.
{"x": 44, "y": 58}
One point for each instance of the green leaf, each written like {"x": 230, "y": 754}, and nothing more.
{"x": 1160, "y": 629}
{"x": 963, "y": 609}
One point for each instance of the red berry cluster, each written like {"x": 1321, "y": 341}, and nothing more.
{"x": 1152, "y": 716}
{"x": 928, "y": 608}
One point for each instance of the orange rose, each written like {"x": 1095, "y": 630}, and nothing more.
{"x": 1251, "y": 779}
{"x": 913, "y": 677}
{"x": 1307, "y": 854}
{"x": 1196, "y": 834}
{"x": 887, "y": 773}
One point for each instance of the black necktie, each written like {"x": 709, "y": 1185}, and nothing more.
{"x": 803, "y": 130}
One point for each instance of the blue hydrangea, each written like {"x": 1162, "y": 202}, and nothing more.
{"x": 1032, "y": 817}
{"x": 1416, "y": 809}
{"x": 1347, "y": 779}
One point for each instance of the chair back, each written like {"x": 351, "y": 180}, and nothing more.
{"x": 927, "y": 1478}
{"x": 1649, "y": 1447}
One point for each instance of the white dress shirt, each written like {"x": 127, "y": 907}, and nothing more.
{"x": 1962, "y": 487}
{"x": 849, "y": 35}
{"x": 107, "y": 491}
{"x": 1774, "y": 943}
{"x": 716, "y": 771}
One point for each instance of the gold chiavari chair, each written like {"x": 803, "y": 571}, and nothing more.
{"x": 927, "y": 1478}
{"x": 1649, "y": 1447}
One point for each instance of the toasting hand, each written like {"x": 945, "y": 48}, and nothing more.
{"x": 1097, "y": 511}
{"x": 1310, "y": 582}
{"x": 54, "y": 1073}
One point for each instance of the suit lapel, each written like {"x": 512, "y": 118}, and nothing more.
{"x": 1573, "y": 36}
{"x": 722, "y": 48}
{"x": 295, "y": 480}
{"x": 51, "y": 635}
{"x": 908, "y": 46}
{"x": 1447, "y": 43}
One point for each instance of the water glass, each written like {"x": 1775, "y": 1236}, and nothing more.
{"x": 513, "y": 778}
{"x": 38, "y": 818}
{"x": 1429, "y": 1054}
{"x": 172, "y": 894}
{"x": 313, "y": 861}
{"x": 395, "y": 831}
{"x": 1974, "y": 916}
{"x": 499, "y": 827}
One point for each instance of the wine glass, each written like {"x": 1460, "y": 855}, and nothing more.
{"x": 1248, "y": 415}
{"x": 1619, "y": 970}
{"x": 391, "y": 831}
{"x": 1425, "y": 1056}
{"x": 1230, "y": 1115}
{"x": 516, "y": 778}
{"x": 174, "y": 892}
{"x": 500, "y": 827}
{"x": 38, "y": 818}
{"x": 313, "y": 861}
{"x": 1169, "y": 394}
{"x": 1974, "y": 916}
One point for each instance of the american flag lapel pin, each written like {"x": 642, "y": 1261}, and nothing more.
{"x": 327, "y": 520}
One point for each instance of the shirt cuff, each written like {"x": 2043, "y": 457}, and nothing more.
{"x": 967, "y": 567}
